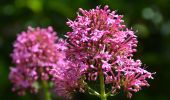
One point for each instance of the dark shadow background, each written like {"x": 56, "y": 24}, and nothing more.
{"x": 151, "y": 18}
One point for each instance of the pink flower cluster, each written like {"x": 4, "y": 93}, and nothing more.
{"x": 100, "y": 41}
{"x": 99, "y": 44}
{"x": 35, "y": 52}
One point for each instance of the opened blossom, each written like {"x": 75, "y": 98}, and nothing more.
{"x": 36, "y": 51}
{"x": 101, "y": 44}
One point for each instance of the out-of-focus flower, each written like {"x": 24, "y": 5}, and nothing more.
{"x": 101, "y": 43}
{"x": 35, "y": 52}
{"x": 67, "y": 79}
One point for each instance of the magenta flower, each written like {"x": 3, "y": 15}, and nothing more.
{"x": 35, "y": 52}
{"x": 101, "y": 44}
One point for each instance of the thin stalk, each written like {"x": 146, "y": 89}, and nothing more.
{"x": 102, "y": 86}
{"x": 46, "y": 90}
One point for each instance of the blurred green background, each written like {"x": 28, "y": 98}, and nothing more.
{"x": 149, "y": 18}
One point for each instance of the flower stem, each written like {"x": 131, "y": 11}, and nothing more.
{"x": 102, "y": 86}
{"x": 46, "y": 90}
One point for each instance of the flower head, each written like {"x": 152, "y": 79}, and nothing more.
{"x": 35, "y": 52}
{"x": 37, "y": 46}
{"x": 100, "y": 41}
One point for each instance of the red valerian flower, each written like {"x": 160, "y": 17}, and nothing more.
{"x": 102, "y": 43}
{"x": 35, "y": 52}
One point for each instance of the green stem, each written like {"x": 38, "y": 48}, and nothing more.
{"x": 46, "y": 90}
{"x": 102, "y": 86}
